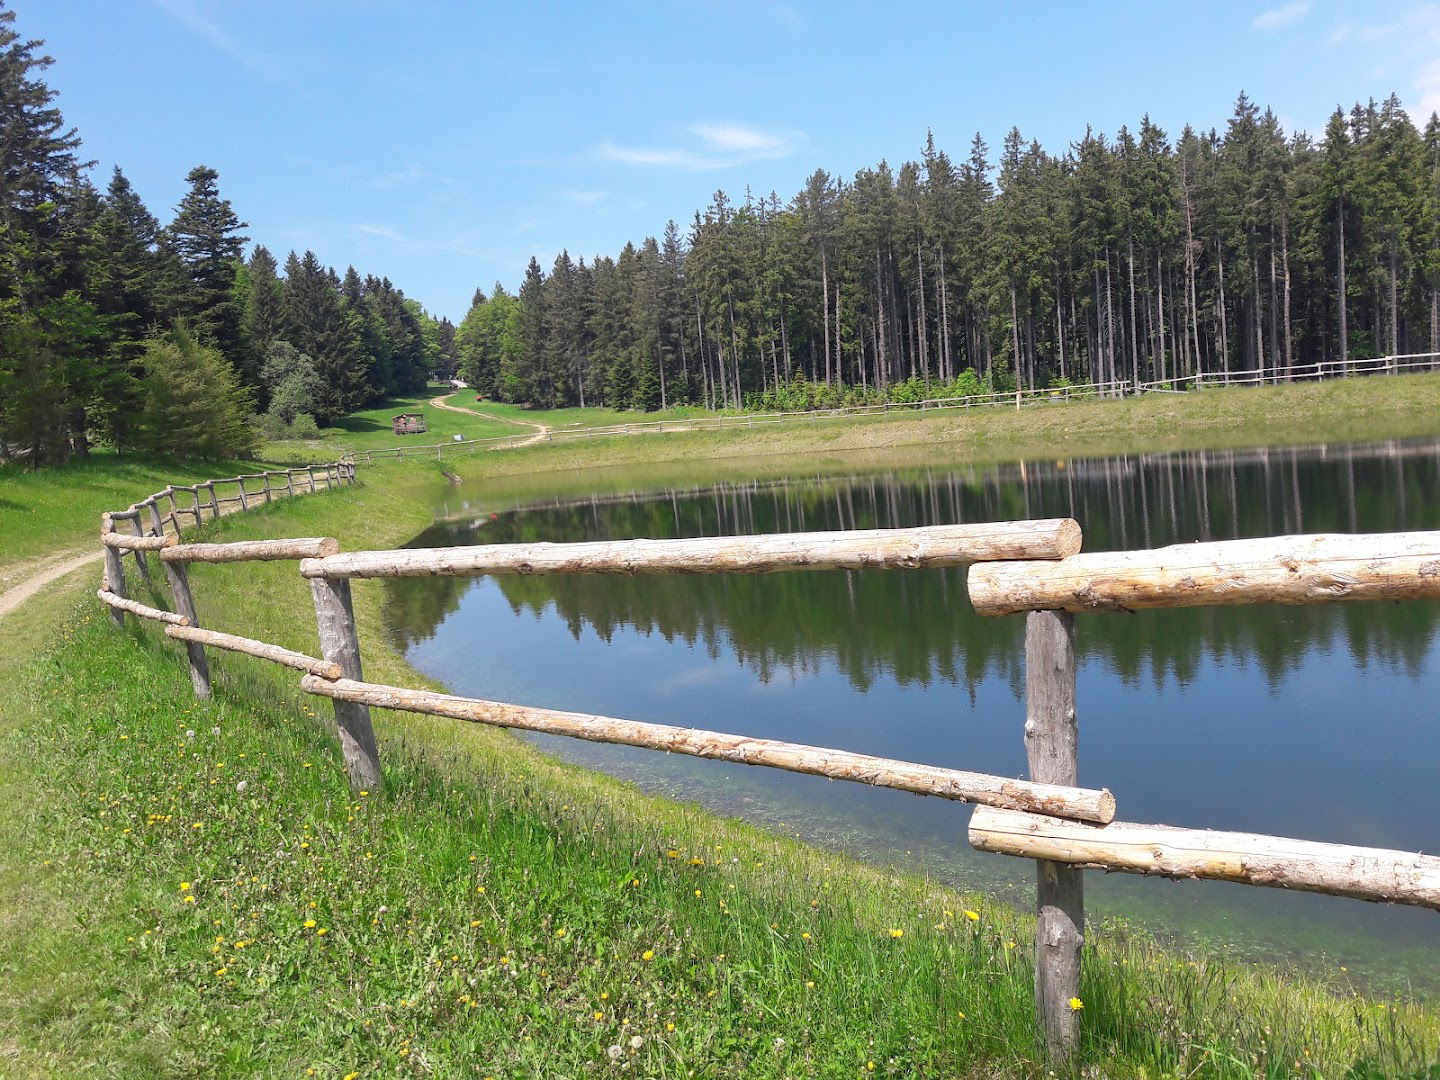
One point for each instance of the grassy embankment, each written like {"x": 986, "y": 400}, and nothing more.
{"x": 767, "y": 958}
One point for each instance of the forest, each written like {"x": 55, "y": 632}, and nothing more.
{"x": 117, "y": 329}
{"x": 1136, "y": 257}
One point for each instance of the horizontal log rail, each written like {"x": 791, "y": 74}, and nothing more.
{"x": 139, "y": 543}
{"x": 251, "y": 647}
{"x": 953, "y": 784}
{"x": 115, "y": 600}
{"x": 1316, "y": 569}
{"x": 308, "y": 547}
{"x": 1374, "y": 874}
{"x": 930, "y": 546}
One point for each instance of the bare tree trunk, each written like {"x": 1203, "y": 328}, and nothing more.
{"x": 1394, "y": 305}
{"x": 1341, "y": 298}
{"x": 1224, "y": 335}
{"x": 1134, "y": 344}
{"x": 945, "y": 319}
{"x": 1285, "y": 266}
{"x": 825, "y": 309}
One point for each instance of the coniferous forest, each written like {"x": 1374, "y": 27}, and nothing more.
{"x": 1138, "y": 256}
{"x": 115, "y": 328}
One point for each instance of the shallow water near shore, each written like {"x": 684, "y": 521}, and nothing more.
{"x": 1321, "y": 723}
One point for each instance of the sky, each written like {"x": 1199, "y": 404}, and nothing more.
{"x": 442, "y": 144}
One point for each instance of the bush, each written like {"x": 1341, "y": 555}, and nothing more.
{"x": 192, "y": 403}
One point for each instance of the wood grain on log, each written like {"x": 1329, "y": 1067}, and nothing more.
{"x": 793, "y": 757}
{"x": 1275, "y": 570}
{"x": 139, "y": 543}
{"x": 1337, "y": 869}
{"x": 251, "y": 647}
{"x": 301, "y": 547}
{"x": 1052, "y": 752}
{"x": 930, "y": 546}
{"x": 340, "y": 644}
{"x": 143, "y": 610}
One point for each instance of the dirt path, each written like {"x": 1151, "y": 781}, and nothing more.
{"x": 541, "y": 430}
{"x": 20, "y": 583}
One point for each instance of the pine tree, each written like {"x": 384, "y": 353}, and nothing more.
{"x": 206, "y": 236}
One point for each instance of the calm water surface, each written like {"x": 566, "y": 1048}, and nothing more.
{"x": 1322, "y": 723}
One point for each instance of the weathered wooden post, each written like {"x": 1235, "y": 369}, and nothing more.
{"x": 214, "y": 502}
{"x": 179, "y": 580}
{"x": 141, "y": 563}
{"x": 114, "y": 569}
{"x": 156, "y": 523}
{"x": 1051, "y": 738}
{"x": 265, "y": 477}
{"x": 243, "y": 504}
{"x": 339, "y": 644}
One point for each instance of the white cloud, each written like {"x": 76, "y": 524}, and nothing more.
{"x": 732, "y": 138}
{"x": 1282, "y": 16}
{"x": 385, "y": 232}
{"x": 1398, "y": 54}
{"x": 1427, "y": 86}
{"x": 722, "y": 146}
{"x": 188, "y": 13}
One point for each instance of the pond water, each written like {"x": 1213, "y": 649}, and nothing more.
{"x": 1321, "y": 723}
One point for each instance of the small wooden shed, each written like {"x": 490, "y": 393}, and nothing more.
{"x": 408, "y": 423}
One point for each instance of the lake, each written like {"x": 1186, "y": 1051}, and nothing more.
{"x": 1321, "y": 723}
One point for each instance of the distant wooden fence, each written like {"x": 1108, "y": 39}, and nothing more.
{"x": 1179, "y": 384}
{"x": 1019, "y": 566}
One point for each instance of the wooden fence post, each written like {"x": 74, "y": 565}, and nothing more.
{"x": 156, "y": 522}
{"x": 339, "y": 644}
{"x": 243, "y": 504}
{"x": 179, "y": 580}
{"x": 265, "y": 476}
{"x": 141, "y": 563}
{"x": 114, "y": 571}
{"x": 1050, "y": 747}
{"x": 214, "y": 502}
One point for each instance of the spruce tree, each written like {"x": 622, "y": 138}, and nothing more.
{"x": 206, "y": 236}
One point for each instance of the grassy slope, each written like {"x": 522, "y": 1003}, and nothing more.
{"x": 1343, "y": 410}
{"x": 58, "y": 509}
{"x": 370, "y": 429}
{"x": 561, "y": 846}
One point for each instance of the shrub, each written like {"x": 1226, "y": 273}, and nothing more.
{"x": 192, "y": 403}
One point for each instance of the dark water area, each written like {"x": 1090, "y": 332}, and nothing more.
{"x": 1321, "y": 723}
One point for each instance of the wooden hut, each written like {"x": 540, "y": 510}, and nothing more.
{"x": 408, "y": 423}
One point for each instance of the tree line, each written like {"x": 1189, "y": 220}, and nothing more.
{"x": 115, "y": 328}
{"x": 1136, "y": 257}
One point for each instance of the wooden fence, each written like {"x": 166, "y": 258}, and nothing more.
{"x": 1180, "y": 384}
{"x": 1034, "y": 567}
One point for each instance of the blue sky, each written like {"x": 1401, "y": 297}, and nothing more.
{"x": 442, "y": 144}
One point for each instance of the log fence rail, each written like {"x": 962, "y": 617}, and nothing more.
{"x": 1031, "y": 567}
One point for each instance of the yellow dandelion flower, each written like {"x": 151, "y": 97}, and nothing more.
{"x": 805, "y": 935}
{"x": 599, "y": 1015}
{"x": 189, "y": 900}
{"x": 321, "y": 932}
{"x": 184, "y": 886}
{"x": 809, "y": 984}
{"x": 648, "y": 954}
{"x": 221, "y": 971}
{"x": 559, "y": 933}
{"x": 474, "y": 923}
{"x": 670, "y": 1026}
{"x": 897, "y": 933}
{"x": 480, "y": 888}
{"x": 1076, "y": 1004}
{"x": 605, "y": 995}
{"x": 364, "y": 794}
{"x": 309, "y": 924}
{"x": 973, "y": 916}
